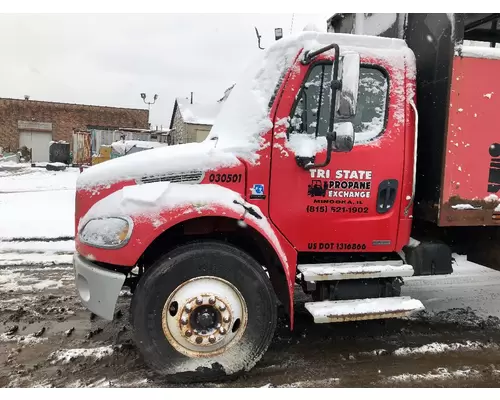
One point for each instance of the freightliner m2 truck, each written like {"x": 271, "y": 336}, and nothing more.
{"x": 340, "y": 164}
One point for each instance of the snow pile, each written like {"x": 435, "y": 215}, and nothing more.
{"x": 202, "y": 114}
{"x": 11, "y": 165}
{"x": 17, "y": 282}
{"x": 27, "y": 340}
{"x": 68, "y": 355}
{"x": 159, "y": 161}
{"x": 439, "y": 374}
{"x": 437, "y": 348}
{"x": 124, "y": 146}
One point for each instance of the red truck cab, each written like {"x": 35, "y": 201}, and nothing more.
{"x": 307, "y": 178}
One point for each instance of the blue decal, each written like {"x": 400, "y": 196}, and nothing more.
{"x": 258, "y": 189}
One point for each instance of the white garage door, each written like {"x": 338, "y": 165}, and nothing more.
{"x": 39, "y": 142}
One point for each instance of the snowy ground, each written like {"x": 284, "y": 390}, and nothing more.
{"x": 48, "y": 339}
{"x": 36, "y": 216}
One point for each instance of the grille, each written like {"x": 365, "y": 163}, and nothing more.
{"x": 189, "y": 177}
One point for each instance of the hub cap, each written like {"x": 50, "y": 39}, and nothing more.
{"x": 204, "y": 316}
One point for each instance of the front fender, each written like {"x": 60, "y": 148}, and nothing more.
{"x": 156, "y": 217}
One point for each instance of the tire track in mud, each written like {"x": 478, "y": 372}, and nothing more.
{"x": 57, "y": 343}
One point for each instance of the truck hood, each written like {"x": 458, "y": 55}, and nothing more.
{"x": 199, "y": 157}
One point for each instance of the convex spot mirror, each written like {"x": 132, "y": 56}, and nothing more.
{"x": 343, "y": 138}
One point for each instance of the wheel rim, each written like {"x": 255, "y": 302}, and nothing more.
{"x": 204, "y": 316}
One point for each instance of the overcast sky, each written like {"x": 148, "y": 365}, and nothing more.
{"x": 109, "y": 59}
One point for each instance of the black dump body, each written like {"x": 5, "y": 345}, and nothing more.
{"x": 432, "y": 37}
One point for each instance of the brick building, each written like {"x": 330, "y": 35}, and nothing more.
{"x": 35, "y": 123}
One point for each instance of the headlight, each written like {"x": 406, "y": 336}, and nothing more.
{"x": 113, "y": 232}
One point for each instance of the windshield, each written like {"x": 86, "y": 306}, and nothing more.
{"x": 244, "y": 116}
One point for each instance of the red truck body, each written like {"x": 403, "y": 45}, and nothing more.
{"x": 471, "y": 177}
{"x": 343, "y": 218}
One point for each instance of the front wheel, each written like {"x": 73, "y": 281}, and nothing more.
{"x": 203, "y": 311}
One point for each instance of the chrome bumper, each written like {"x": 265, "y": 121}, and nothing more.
{"x": 97, "y": 287}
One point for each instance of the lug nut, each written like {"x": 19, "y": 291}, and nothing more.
{"x": 199, "y": 339}
{"x": 188, "y": 308}
{"x": 188, "y": 333}
{"x": 184, "y": 321}
{"x": 222, "y": 307}
{"x": 211, "y": 339}
{"x": 199, "y": 300}
{"x": 226, "y": 319}
{"x": 222, "y": 331}
{"x": 211, "y": 300}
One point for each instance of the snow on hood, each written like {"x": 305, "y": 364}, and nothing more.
{"x": 244, "y": 117}
{"x": 151, "y": 199}
{"x": 166, "y": 159}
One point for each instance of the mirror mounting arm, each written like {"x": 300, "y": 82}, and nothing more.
{"x": 309, "y": 56}
{"x": 308, "y": 162}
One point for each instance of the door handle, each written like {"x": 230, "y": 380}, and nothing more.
{"x": 386, "y": 196}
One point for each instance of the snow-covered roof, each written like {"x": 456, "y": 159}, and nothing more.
{"x": 196, "y": 113}
{"x": 244, "y": 116}
{"x": 475, "y": 50}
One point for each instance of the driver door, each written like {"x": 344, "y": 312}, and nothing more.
{"x": 352, "y": 204}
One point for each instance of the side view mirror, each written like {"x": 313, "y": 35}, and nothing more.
{"x": 348, "y": 96}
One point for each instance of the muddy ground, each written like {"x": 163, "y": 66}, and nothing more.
{"x": 48, "y": 339}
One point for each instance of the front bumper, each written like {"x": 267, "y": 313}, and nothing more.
{"x": 97, "y": 287}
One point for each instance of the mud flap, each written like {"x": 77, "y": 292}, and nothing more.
{"x": 429, "y": 259}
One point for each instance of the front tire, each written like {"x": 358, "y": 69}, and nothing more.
{"x": 202, "y": 312}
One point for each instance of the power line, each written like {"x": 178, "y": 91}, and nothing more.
{"x": 291, "y": 26}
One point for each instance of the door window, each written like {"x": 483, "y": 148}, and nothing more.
{"x": 369, "y": 121}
